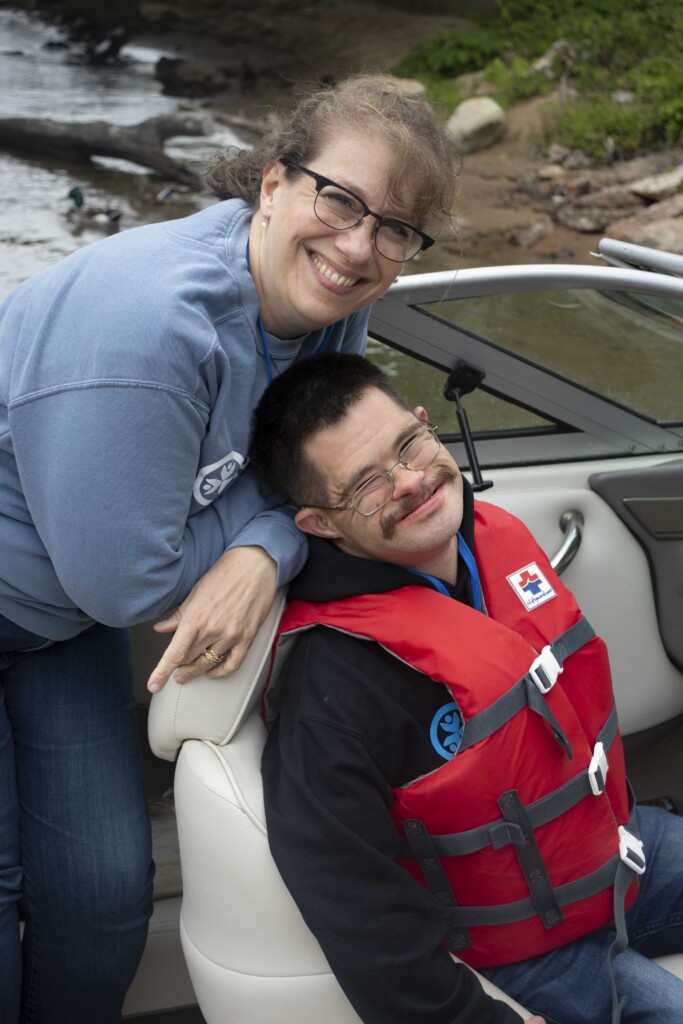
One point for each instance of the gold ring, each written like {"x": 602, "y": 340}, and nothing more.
{"x": 212, "y": 656}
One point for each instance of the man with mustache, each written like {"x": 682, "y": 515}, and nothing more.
{"x": 417, "y": 735}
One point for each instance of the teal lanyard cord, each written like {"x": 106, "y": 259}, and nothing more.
{"x": 259, "y": 324}
{"x": 320, "y": 348}
{"x": 468, "y": 559}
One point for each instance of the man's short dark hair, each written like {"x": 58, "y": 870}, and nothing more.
{"x": 313, "y": 393}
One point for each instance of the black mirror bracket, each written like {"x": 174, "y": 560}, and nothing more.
{"x": 463, "y": 379}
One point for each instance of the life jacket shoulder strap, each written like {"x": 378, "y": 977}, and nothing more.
{"x": 531, "y": 689}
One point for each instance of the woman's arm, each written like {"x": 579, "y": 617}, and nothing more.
{"x": 108, "y": 474}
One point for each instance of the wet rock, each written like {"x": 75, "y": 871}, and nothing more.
{"x": 190, "y": 77}
{"x": 578, "y": 185}
{"x": 409, "y": 87}
{"x": 107, "y": 49}
{"x": 477, "y": 124}
{"x": 664, "y": 234}
{"x": 557, "y": 154}
{"x": 644, "y": 166}
{"x": 562, "y": 255}
{"x": 577, "y": 160}
{"x": 595, "y": 210}
{"x": 672, "y": 207}
{"x": 659, "y": 186}
{"x": 617, "y": 197}
{"x": 587, "y": 219}
{"x": 530, "y": 234}
{"x": 626, "y": 228}
{"x": 550, "y": 172}
{"x": 631, "y": 200}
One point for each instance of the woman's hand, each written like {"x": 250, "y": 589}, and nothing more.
{"x": 221, "y": 613}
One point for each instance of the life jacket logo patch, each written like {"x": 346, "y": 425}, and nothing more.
{"x": 531, "y": 586}
{"x": 445, "y": 731}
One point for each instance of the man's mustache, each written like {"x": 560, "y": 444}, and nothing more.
{"x": 444, "y": 474}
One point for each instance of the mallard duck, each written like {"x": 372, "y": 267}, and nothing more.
{"x": 99, "y": 216}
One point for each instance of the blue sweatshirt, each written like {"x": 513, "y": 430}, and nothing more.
{"x": 128, "y": 373}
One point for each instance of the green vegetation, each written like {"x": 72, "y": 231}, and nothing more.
{"x": 515, "y": 79}
{"x": 625, "y": 81}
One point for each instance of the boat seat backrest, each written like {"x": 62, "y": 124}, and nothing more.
{"x": 213, "y": 709}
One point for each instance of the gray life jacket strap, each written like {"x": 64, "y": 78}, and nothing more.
{"x": 632, "y": 861}
{"x": 436, "y": 881}
{"x": 617, "y": 872}
{"x": 622, "y": 881}
{"x": 530, "y": 689}
{"x": 521, "y": 910}
{"x": 531, "y": 861}
{"x": 502, "y": 832}
{"x": 608, "y": 875}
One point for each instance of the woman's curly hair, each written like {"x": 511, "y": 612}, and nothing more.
{"x": 425, "y": 168}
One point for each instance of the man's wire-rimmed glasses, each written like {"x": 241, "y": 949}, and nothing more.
{"x": 415, "y": 455}
{"x": 339, "y": 208}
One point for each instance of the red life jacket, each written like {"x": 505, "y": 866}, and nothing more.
{"x": 519, "y": 833}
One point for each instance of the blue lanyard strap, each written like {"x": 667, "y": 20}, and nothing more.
{"x": 437, "y": 584}
{"x": 259, "y": 324}
{"x": 319, "y": 349}
{"x": 468, "y": 559}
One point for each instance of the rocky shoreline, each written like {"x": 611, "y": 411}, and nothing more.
{"x": 637, "y": 201}
{"x": 516, "y": 205}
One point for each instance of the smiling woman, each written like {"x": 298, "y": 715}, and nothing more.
{"x": 363, "y": 149}
{"x": 155, "y": 345}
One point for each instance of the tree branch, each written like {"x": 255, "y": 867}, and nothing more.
{"x": 79, "y": 141}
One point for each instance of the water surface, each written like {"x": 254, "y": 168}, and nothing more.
{"x": 39, "y": 80}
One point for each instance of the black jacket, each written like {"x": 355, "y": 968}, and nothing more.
{"x": 354, "y": 724}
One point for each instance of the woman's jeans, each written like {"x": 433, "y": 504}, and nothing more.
{"x": 75, "y": 845}
{"x": 571, "y": 985}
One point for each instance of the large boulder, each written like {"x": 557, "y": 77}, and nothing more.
{"x": 477, "y": 124}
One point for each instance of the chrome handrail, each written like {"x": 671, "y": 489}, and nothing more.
{"x": 571, "y": 524}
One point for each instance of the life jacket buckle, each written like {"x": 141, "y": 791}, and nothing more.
{"x": 597, "y": 769}
{"x": 631, "y": 850}
{"x": 545, "y": 670}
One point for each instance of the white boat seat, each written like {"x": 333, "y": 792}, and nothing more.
{"x": 251, "y": 958}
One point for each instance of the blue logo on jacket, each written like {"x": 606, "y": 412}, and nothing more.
{"x": 445, "y": 731}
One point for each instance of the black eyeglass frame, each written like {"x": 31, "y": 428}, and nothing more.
{"x": 429, "y": 428}
{"x": 321, "y": 181}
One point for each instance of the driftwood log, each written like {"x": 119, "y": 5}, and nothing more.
{"x": 140, "y": 143}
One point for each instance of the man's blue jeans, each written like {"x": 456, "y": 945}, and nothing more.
{"x": 75, "y": 845}
{"x": 571, "y": 984}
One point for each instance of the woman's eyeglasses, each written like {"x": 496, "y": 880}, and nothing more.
{"x": 339, "y": 208}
